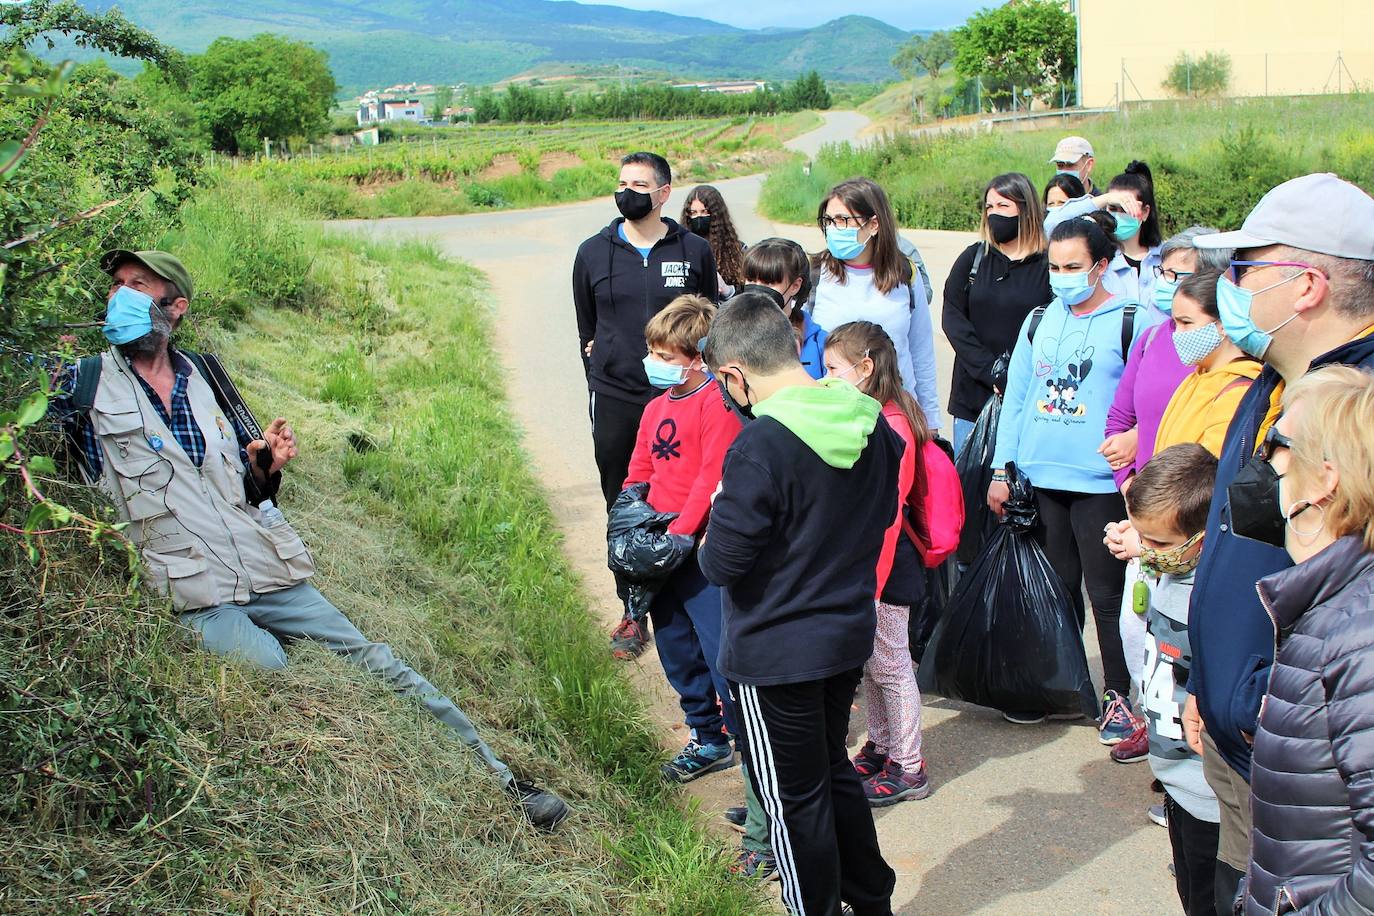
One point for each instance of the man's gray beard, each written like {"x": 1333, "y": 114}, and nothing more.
{"x": 155, "y": 341}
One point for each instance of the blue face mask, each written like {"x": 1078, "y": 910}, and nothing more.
{"x": 1073, "y": 172}
{"x": 1073, "y": 288}
{"x": 1234, "y": 303}
{"x": 128, "y": 316}
{"x": 663, "y": 375}
{"x": 843, "y": 243}
{"x": 1127, "y": 227}
{"x": 1164, "y": 294}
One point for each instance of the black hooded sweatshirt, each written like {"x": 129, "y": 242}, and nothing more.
{"x": 616, "y": 291}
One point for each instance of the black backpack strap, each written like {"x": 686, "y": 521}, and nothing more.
{"x": 1127, "y": 329}
{"x": 977, "y": 263}
{"x": 88, "y": 370}
{"x": 1037, "y": 316}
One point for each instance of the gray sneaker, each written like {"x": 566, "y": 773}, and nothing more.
{"x": 541, "y": 807}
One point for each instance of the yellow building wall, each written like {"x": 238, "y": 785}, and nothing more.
{"x": 1277, "y": 47}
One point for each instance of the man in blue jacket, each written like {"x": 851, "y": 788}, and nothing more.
{"x": 1299, "y": 294}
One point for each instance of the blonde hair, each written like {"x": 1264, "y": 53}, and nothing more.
{"x": 1337, "y": 426}
{"x": 681, "y": 324}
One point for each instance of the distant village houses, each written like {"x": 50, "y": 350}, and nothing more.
{"x": 736, "y": 87}
{"x": 375, "y": 109}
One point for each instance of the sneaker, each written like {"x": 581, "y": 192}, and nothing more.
{"x": 696, "y": 760}
{"x": 1156, "y": 814}
{"x": 1135, "y": 748}
{"x": 894, "y": 784}
{"x": 1156, "y": 786}
{"x": 628, "y": 639}
{"x": 1118, "y": 719}
{"x": 736, "y": 817}
{"x": 1021, "y": 717}
{"x": 868, "y": 762}
{"x": 761, "y": 866}
{"x": 541, "y": 808}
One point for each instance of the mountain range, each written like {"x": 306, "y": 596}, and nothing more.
{"x": 380, "y": 42}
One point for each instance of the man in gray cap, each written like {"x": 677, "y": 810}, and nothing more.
{"x": 196, "y": 490}
{"x": 1299, "y": 294}
{"x": 1074, "y": 156}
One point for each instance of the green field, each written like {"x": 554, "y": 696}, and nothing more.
{"x": 1212, "y": 161}
{"x": 461, "y": 170}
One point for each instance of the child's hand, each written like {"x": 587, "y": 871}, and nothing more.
{"x": 587, "y": 350}
{"x": 1122, "y": 540}
{"x": 1192, "y": 725}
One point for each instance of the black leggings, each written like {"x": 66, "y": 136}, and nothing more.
{"x": 1070, "y": 531}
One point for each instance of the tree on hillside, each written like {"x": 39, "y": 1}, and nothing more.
{"x": 923, "y": 54}
{"x": 809, "y": 91}
{"x": 266, "y": 87}
{"x": 443, "y": 100}
{"x": 1209, "y": 74}
{"x": 1028, "y": 44}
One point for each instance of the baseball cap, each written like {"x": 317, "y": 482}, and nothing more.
{"x": 1319, "y": 212}
{"x": 1071, "y": 149}
{"x": 161, "y": 263}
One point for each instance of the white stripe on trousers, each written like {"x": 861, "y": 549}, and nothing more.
{"x": 761, "y": 757}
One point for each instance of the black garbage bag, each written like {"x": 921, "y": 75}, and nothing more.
{"x": 640, "y": 548}
{"x": 974, "y": 464}
{"x": 1010, "y": 639}
{"x": 928, "y": 611}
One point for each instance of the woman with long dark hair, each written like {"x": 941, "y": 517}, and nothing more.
{"x": 705, "y": 213}
{"x": 862, "y": 275}
{"x": 991, "y": 289}
{"x": 1130, "y": 198}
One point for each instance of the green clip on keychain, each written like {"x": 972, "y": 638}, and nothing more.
{"x": 1159, "y": 563}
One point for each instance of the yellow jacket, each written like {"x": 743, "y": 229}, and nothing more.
{"x": 1202, "y": 407}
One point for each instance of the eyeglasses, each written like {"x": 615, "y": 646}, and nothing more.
{"x": 1238, "y": 269}
{"x": 1168, "y": 273}
{"x": 844, "y": 222}
{"x": 1272, "y": 440}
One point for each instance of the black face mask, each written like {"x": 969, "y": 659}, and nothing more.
{"x": 745, "y": 413}
{"x": 1003, "y": 228}
{"x": 701, "y": 225}
{"x": 634, "y": 205}
{"x": 768, "y": 291}
{"x": 1254, "y": 500}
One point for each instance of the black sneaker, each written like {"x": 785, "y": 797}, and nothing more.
{"x": 1023, "y": 717}
{"x": 541, "y": 808}
{"x": 736, "y": 817}
{"x": 761, "y": 866}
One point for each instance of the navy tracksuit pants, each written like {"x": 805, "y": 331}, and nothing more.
{"x": 687, "y": 622}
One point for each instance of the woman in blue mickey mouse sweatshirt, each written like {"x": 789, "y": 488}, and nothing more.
{"x": 1064, "y": 371}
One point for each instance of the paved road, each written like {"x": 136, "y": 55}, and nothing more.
{"x": 1023, "y": 819}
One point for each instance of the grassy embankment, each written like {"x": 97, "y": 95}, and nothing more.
{"x": 1212, "y": 161}
{"x": 212, "y": 788}
{"x": 462, "y": 170}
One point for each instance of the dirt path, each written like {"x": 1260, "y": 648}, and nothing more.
{"x": 1023, "y": 820}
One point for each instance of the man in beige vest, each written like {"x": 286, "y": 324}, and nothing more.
{"x": 191, "y": 483}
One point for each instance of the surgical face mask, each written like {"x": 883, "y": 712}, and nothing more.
{"x": 1235, "y": 303}
{"x": 1197, "y": 344}
{"x": 701, "y": 225}
{"x": 1073, "y": 289}
{"x": 1164, "y": 294}
{"x": 1073, "y": 172}
{"x": 1003, "y": 228}
{"x": 1127, "y": 227}
{"x": 1171, "y": 562}
{"x": 128, "y": 316}
{"x": 634, "y": 205}
{"x": 664, "y": 375}
{"x": 844, "y": 243}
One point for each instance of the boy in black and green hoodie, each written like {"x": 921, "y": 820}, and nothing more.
{"x": 808, "y": 491}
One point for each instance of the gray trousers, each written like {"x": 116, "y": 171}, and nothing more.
{"x": 253, "y": 633}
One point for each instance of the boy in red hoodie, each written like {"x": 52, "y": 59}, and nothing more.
{"x": 683, "y": 437}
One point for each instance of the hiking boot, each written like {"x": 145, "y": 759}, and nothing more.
{"x": 1023, "y": 717}
{"x": 696, "y": 760}
{"x": 894, "y": 784}
{"x": 541, "y": 807}
{"x": 1156, "y": 814}
{"x": 736, "y": 817}
{"x": 629, "y": 639}
{"x": 1135, "y": 748}
{"x": 868, "y": 762}
{"x": 1118, "y": 719}
{"x": 761, "y": 866}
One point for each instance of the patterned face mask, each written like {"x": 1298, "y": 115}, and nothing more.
{"x": 1196, "y": 345}
{"x": 1170, "y": 562}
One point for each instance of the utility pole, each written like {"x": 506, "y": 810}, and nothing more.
{"x": 1076, "y": 7}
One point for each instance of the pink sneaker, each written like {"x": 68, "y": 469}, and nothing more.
{"x": 1135, "y": 748}
{"x": 868, "y": 762}
{"x": 894, "y": 784}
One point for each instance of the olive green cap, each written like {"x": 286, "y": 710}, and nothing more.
{"x": 161, "y": 263}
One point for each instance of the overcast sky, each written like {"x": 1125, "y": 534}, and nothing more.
{"x": 756, "y": 14}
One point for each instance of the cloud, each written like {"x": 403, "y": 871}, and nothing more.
{"x": 781, "y": 14}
